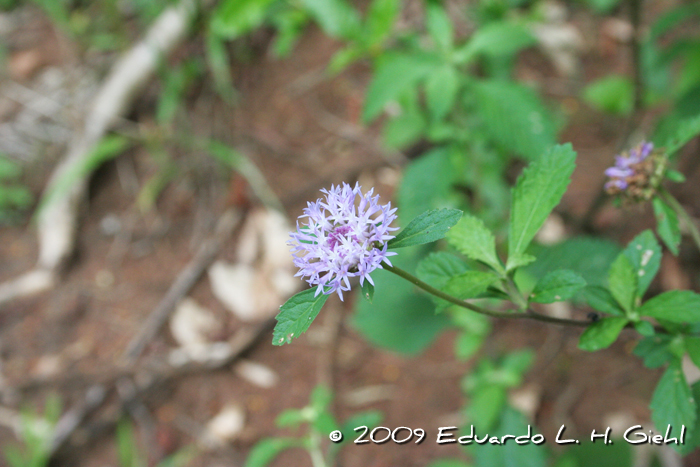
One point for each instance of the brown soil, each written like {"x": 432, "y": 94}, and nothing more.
{"x": 279, "y": 121}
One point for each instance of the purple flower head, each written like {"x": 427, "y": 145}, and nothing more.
{"x": 341, "y": 239}
{"x": 628, "y": 168}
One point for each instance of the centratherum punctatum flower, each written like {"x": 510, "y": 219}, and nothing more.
{"x": 636, "y": 173}
{"x": 343, "y": 237}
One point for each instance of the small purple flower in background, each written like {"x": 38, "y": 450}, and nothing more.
{"x": 634, "y": 173}
{"x": 342, "y": 240}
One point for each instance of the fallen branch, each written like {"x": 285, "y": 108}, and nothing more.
{"x": 57, "y": 222}
{"x": 181, "y": 286}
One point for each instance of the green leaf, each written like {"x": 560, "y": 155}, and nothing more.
{"x": 469, "y": 284}
{"x": 380, "y": 20}
{"x": 467, "y": 344}
{"x": 602, "y": 334}
{"x": 645, "y": 328}
{"x": 439, "y": 25}
{"x": 692, "y": 345}
{"x": 233, "y": 18}
{"x": 496, "y": 39}
{"x": 426, "y": 184}
{"x": 441, "y": 89}
{"x": 399, "y": 319}
{"x": 509, "y": 454}
{"x": 439, "y": 267}
{"x": 337, "y": 18}
{"x": 485, "y": 406}
{"x": 426, "y": 228}
{"x": 537, "y": 191}
{"x": 623, "y": 282}
{"x": 654, "y": 350}
{"x": 667, "y": 224}
{"x": 395, "y": 74}
{"x": 557, "y": 286}
{"x": 403, "y": 130}
{"x": 675, "y": 176}
{"x": 686, "y": 131}
{"x": 676, "y": 306}
{"x": 589, "y": 257}
{"x": 603, "y": 6}
{"x": 673, "y": 403}
{"x": 644, "y": 253}
{"x": 296, "y": 315}
{"x": 290, "y": 418}
{"x": 613, "y": 94}
{"x": 474, "y": 240}
{"x": 600, "y": 298}
{"x": 448, "y": 463}
{"x": 266, "y": 450}
{"x": 514, "y": 118}
{"x": 368, "y": 291}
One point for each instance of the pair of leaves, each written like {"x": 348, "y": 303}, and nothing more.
{"x": 629, "y": 278}
{"x": 538, "y": 190}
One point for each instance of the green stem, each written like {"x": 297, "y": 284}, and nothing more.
{"x": 317, "y": 459}
{"x": 527, "y": 314}
{"x": 676, "y": 206}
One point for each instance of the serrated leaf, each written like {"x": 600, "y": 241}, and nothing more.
{"x": 676, "y": 306}
{"x": 495, "y": 39}
{"x": 426, "y": 228}
{"x": 469, "y": 284}
{"x": 667, "y": 225}
{"x": 519, "y": 260}
{"x": 673, "y": 403}
{"x": 602, "y": 334}
{"x": 514, "y": 118}
{"x": 654, "y": 350}
{"x": 644, "y": 253}
{"x": 368, "y": 291}
{"x": 296, "y": 315}
{"x": 589, "y": 257}
{"x": 395, "y": 74}
{"x": 441, "y": 89}
{"x": 557, "y": 286}
{"x": 439, "y": 267}
{"x": 600, "y": 298}
{"x": 266, "y": 450}
{"x": 537, "y": 191}
{"x": 622, "y": 282}
{"x": 474, "y": 240}
{"x": 613, "y": 94}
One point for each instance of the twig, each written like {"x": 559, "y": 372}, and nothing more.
{"x": 181, "y": 286}
{"x": 528, "y": 314}
{"x": 57, "y": 222}
{"x": 72, "y": 419}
